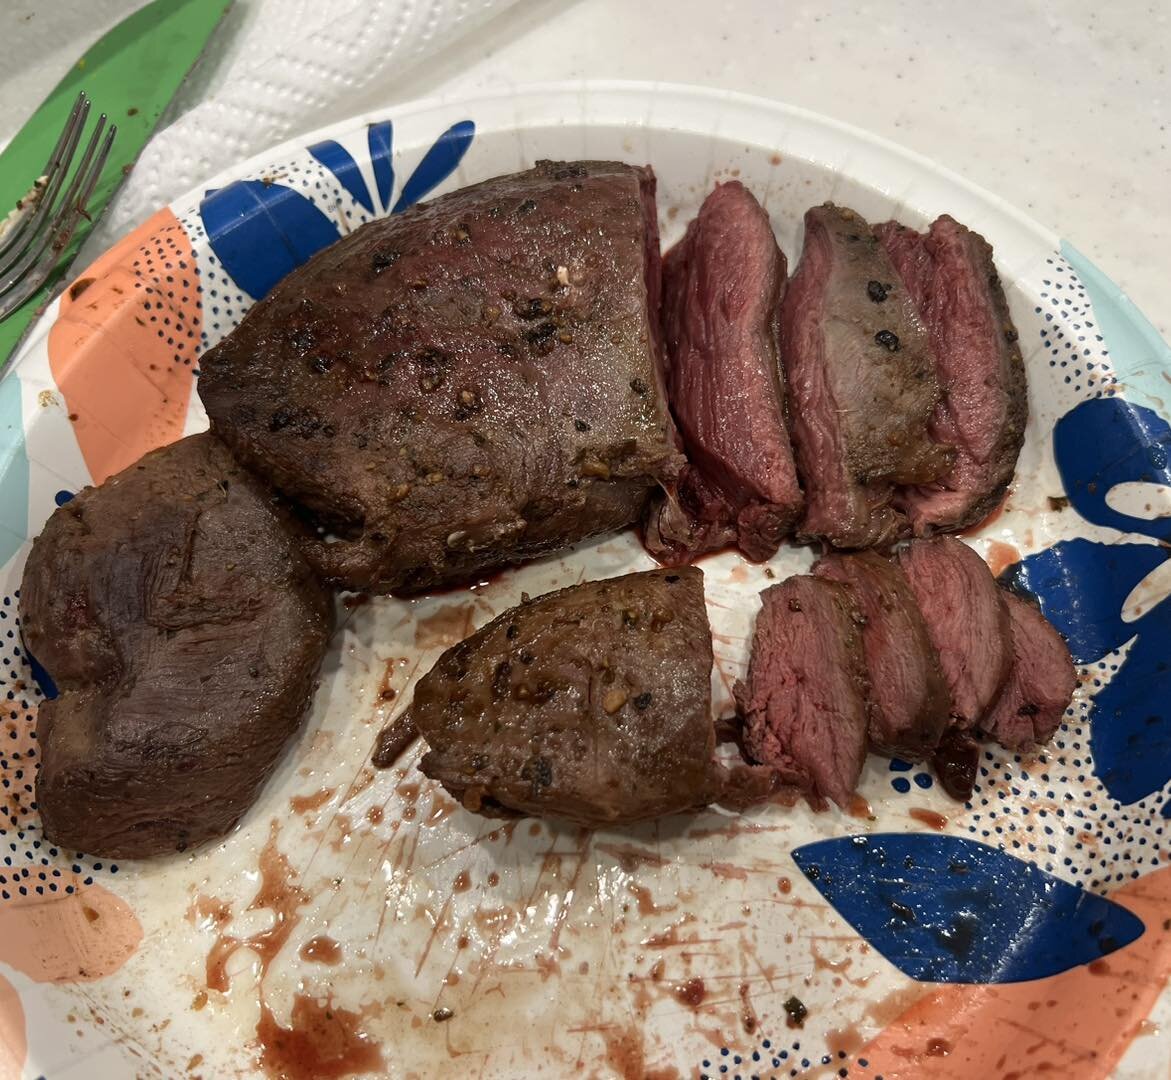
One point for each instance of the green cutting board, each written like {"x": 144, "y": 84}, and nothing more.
{"x": 131, "y": 75}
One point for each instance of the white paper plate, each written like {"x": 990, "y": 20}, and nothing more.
{"x": 662, "y": 950}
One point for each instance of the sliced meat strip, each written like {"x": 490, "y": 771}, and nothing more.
{"x": 953, "y": 281}
{"x": 861, "y": 380}
{"x": 907, "y": 689}
{"x": 967, "y": 620}
{"x": 722, "y": 288}
{"x": 1040, "y": 684}
{"x": 804, "y": 701}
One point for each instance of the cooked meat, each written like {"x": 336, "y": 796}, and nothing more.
{"x": 862, "y": 381}
{"x": 805, "y": 700}
{"x": 465, "y": 385}
{"x": 688, "y": 520}
{"x": 722, "y": 288}
{"x": 955, "y": 763}
{"x": 907, "y": 690}
{"x": 591, "y": 704}
{"x": 953, "y": 282}
{"x": 1040, "y": 683}
{"x": 393, "y": 740}
{"x": 184, "y": 630}
{"x": 967, "y": 621}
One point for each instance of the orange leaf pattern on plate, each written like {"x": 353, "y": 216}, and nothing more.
{"x": 13, "y": 1038}
{"x": 77, "y": 938}
{"x": 123, "y": 349}
{"x": 1078, "y": 1023}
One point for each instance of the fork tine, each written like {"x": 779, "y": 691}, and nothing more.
{"x": 11, "y": 274}
{"x": 50, "y": 181}
{"x": 64, "y": 223}
{"x": 77, "y": 117}
{"x": 95, "y": 173}
{"x": 42, "y": 179}
{"x": 33, "y": 225}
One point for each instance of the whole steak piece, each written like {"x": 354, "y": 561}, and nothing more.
{"x": 184, "y": 630}
{"x": 862, "y": 382}
{"x": 591, "y": 704}
{"x": 805, "y": 701}
{"x": 953, "y": 281}
{"x": 910, "y": 702}
{"x": 465, "y": 385}
{"x": 722, "y": 289}
{"x": 1040, "y": 684}
{"x": 967, "y": 620}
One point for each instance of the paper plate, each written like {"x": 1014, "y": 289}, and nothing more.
{"x": 360, "y": 922}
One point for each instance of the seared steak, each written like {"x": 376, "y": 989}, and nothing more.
{"x": 468, "y": 384}
{"x": 175, "y": 613}
{"x": 722, "y": 288}
{"x": 591, "y": 704}
{"x": 909, "y": 696}
{"x": 1040, "y": 683}
{"x": 805, "y": 700}
{"x": 951, "y": 278}
{"x": 967, "y": 621}
{"x": 862, "y": 380}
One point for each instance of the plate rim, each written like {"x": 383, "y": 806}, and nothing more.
{"x": 584, "y": 93}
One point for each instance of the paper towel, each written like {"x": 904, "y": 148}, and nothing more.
{"x": 276, "y": 68}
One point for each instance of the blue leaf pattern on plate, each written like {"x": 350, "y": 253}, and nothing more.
{"x": 1082, "y": 586}
{"x": 1131, "y": 733}
{"x": 380, "y": 142}
{"x": 41, "y": 677}
{"x": 438, "y": 164}
{"x": 946, "y": 909}
{"x": 1109, "y": 441}
{"x": 261, "y": 230}
{"x": 338, "y": 160}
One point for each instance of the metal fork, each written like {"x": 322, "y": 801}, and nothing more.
{"x": 34, "y": 236}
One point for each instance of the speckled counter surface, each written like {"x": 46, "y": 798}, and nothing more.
{"x": 1061, "y": 109}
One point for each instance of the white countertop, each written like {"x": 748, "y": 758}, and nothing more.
{"x": 1062, "y": 109}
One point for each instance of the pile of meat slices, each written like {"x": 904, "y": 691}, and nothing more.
{"x": 501, "y": 373}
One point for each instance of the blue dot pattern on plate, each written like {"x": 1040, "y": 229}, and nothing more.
{"x": 29, "y": 865}
{"x": 945, "y": 909}
{"x": 1072, "y": 338}
{"x": 902, "y": 784}
{"x": 771, "y": 1060}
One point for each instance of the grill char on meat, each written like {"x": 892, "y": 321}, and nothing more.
{"x": 910, "y": 701}
{"x": 722, "y": 289}
{"x": 184, "y": 630}
{"x": 953, "y": 282}
{"x": 805, "y": 701}
{"x": 591, "y": 704}
{"x": 1040, "y": 683}
{"x": 861, "y": 377}
{"x": 465, "y": 385}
